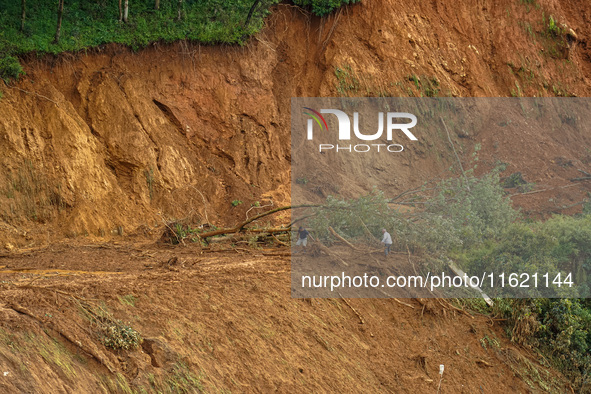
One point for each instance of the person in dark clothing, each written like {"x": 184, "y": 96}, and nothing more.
{"x": 302, "y": 237}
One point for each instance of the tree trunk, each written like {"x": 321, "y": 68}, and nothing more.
{"x": 157, "y": 4}
{"x": 60, "y": 13}
{"x": 23, "y": 14}
{"x": 251, "y": 12}
{"x": 180, "y": 10}
{"x": 120, "y": 12}
{"x": 125, "y": 11}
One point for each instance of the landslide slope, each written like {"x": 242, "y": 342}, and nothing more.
{"x": 111, "y": 141}
{"x": 224, "y": 321}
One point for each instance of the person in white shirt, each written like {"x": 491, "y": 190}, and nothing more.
{"x": 387, "y": 241}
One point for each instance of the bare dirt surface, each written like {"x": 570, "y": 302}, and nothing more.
{"x": 100, "y": 150}
{"x": 228, "y": 317}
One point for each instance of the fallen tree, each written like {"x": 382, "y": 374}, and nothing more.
{"x": 172, "y": 233}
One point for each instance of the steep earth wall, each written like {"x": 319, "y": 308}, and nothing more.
{"x": 112, "y": 141}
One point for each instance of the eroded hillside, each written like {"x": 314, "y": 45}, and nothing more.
{"x": 225, "y": 321}
{"x": 111, "y": 141}
{"x": 98, "y": 146}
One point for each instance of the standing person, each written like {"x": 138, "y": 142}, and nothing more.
{"x": 387, "y": 241}
{"x": 303, "y": 237}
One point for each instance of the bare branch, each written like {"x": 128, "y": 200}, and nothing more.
{"x": 241, "y": 226}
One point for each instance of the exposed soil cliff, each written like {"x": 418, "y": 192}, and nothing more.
{"x": 110, "y": 141}
{"x": 107, "y": 143}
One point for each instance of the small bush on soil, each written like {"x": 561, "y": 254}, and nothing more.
{"x": 118, "y": 335}
{"x": 112, "y": 332}
{"x": 560, "y": 328}
{"x": 10, "y": 68}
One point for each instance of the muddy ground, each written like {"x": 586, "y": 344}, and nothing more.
{"x": 223, "y": 319}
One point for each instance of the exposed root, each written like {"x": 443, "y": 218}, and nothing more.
{"x": 361, "y": 321}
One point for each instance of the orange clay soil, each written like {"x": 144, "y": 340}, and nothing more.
{"x": 114, "y": 142}
{"x": 99, "y": 150}
{"x": 229, "y": 319}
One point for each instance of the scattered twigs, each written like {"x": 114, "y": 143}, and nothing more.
{"x": 204, "y": 203}
{"x": 410, "y": 261}
{"x": 258, "y": 207}
{"x": 172, "y": 231}
{"x": 36, "y": 94}
{"x": 574, "y": 205}
{"x": 331, "y": 31}
{"x": 279, "y": 241}
{"x": 542, "y": 190}
{"x": 450, "y": 306}
{"x": 300, "y": 219}
{"x": 532, "y": 192}
{"x": 483, "y": 363}
{"x": 368, "y": 232}
{"x": 403, "y": 303}
{"x": 412, "y": 191}
{"x": 274, "y": 211}
{"x": 269, "y": 230}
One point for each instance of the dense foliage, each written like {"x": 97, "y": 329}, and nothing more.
{"x": 463, "y": 212}
{"x": 323, "y": 7}
{"x": 10, "y": 68}
{"x": 560, "y": 244}
{"x": 91, "y": 23}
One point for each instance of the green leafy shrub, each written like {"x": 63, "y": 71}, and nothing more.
{"x": 467, "y": 211}
{"x": 561, "y": 244}
{"x": 552, "y": 28}
{"x": 182, "y": 232}
{"x": 352, "y": 217}
{"x": 560, "y": 328}
{"x": 111, "y": 332}
{"x": 463, "y": 212}
{"x": 323, "y": 7}
{"x": 10, "y": 68}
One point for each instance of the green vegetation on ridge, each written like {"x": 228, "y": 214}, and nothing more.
{"x": 88, "y": 24}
